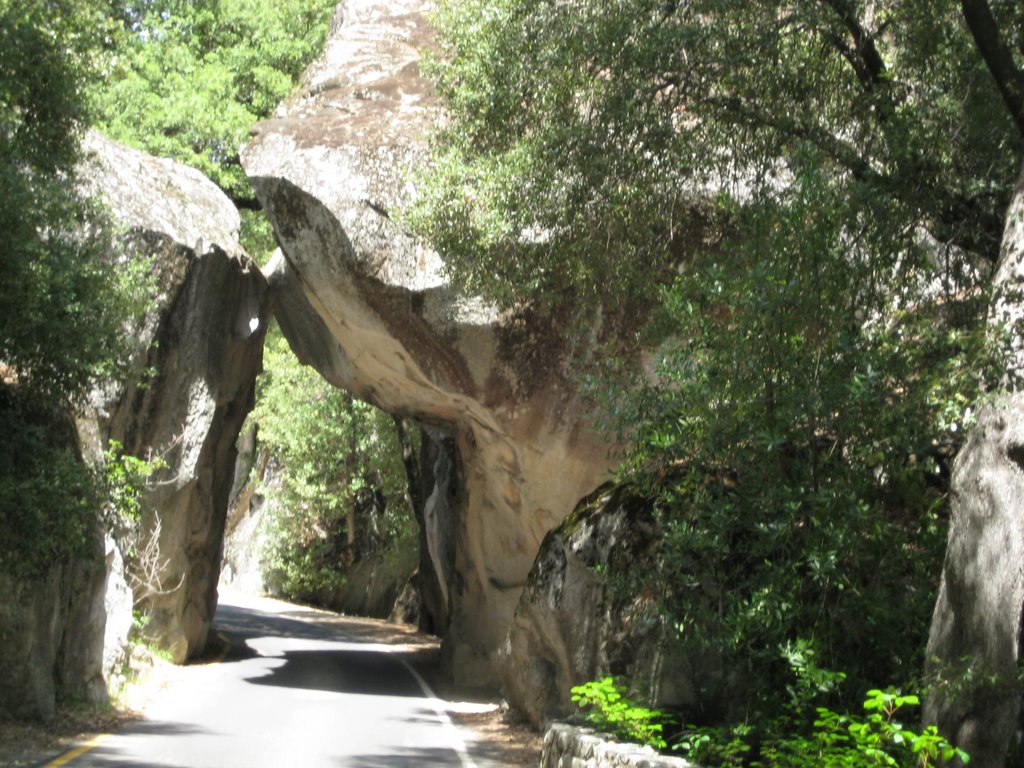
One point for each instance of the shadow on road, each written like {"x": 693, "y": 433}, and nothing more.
{"x": 367, "y": 673}
{"x": 411, "y": 757}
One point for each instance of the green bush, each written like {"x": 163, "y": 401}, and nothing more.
{"x": 610, "y": 710}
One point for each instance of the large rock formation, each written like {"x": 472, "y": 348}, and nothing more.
{"x": 367, "y": 305}
{"x": 588, "y": 611}
{"x": 197, "y": 355}
{"x": 974, "y": 650}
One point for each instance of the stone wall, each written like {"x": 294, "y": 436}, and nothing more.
{"x": 566, "y": 746}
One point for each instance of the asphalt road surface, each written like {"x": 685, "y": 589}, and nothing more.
{"x": 292, "y": 691}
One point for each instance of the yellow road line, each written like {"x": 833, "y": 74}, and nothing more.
{"x": 67, "y": 757}
{"x": 95, "y": 741}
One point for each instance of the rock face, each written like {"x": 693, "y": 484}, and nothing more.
{"x": 117, "y": 604}
{"x": 975, "y": 640}
{"x": 203, "y": 343}
{"x": 52, "y": 632}
{"x": 366, "y": 304}
{"x": 374, "y": 583}
{"x": 245, "y": 530}
{"x": 52, "y": 623}
{"x": 574, "y": 625}
{"x": 977, "y": 621}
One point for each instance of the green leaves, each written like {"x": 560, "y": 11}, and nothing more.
{"x": 610, "y": 710}
{"x": 582, "y": 134}
{"x": 337, "y": 454}
{"x": 188, "y": 80}
{"x": 827, "y": 739}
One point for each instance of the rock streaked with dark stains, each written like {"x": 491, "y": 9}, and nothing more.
{"x": 204, "y": 343}
{"x": 367, "y": 305}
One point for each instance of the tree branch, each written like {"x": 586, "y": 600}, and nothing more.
{"x": 952, "y": 208}
{"x": 864, "y": 57}
{"x": 998, "y": 58}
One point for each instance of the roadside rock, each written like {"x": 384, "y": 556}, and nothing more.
{"x": 582, "y": 615}
{"x": 118, "y": 605}
{"x": 976, "y": 626}
{"x": 196, "y": 357}
{"x": 374, "y": 583}
{"x": 974, "y": 649}
{"x": 247, "y": 526}
{"x": 51, "y": 631}
{"x": 367, "y": 306}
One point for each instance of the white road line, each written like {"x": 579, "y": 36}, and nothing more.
{"x": 441, "y": 713}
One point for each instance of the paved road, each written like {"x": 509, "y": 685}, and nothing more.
{"x": 292, "y": 693}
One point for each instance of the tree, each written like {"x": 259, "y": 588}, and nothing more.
{"x": 63, "y": 299}
{"x": 188, "y": 80}
{"x": 582, "y": 133}
{"x": 804, "y": 201}
{"x": 343, "y": 491}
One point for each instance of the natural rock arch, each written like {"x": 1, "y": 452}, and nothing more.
{"x": 366, "y": 304}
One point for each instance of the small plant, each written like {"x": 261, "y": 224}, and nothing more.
{"x": 609, "y": 709}
{"x": 875, "y": 738}
{"x": 879, "y": 734}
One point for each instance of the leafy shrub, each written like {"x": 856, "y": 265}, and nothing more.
{"x": 810, "y": 736}
{"x": 610, "y": 710}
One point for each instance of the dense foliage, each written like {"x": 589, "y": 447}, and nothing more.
{"x": 188, "y": 80}
{"x": 343, "y": 492}
{"x": 808, "y": 198}
{"x": 583, "y": 132}
{"x": 63, "y": 299}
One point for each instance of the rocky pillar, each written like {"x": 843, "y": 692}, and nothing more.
{"x": 197, "y": 355}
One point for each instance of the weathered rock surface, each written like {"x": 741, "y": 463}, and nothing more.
{"x": 117, "y": 604}
{"x": 246, "y": 529}
{"x": 203, "y": 342}
{"x": 976, "y": 626}
{"x": 366, "y": 304}
{"x": 52, "y": 628}
{"x": 579, "y": 619}
{"x": 374, "y": 583}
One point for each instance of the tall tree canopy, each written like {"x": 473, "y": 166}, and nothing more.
{"x": 60, "y": 309}
{"x": 188, "y": 80}
{"x": 582, "y": 131}
{"x": 63, "y": 300}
